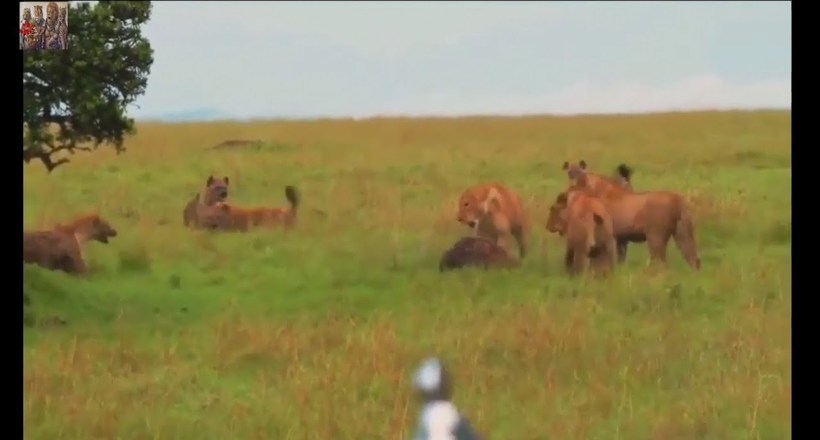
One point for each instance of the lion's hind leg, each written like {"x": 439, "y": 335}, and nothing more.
{"x": 657, "y": 242}
{"x": 685, "y": 240}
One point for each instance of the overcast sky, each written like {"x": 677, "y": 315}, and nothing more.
{"x": 302, "y": 59}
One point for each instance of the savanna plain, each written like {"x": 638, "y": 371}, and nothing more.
{"x": 313, "y": 333}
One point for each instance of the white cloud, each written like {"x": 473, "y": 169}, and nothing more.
{"x": 702, "y": 92}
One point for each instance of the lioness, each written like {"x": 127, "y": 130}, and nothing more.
{"x": 597, "y": 182}
{"x": 494, "y": 211}
{"x": 653, "y": 217}
{"x": 600, "y": 186}
{"x": 216, "y": 190}
{"x": 476, "y": 252}
{"x": 587, "y": 227}
{"x": 225, "y": 217}
{"x": 62, "y": 247}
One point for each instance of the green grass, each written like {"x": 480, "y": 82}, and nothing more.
{"x": 313, "y": 333}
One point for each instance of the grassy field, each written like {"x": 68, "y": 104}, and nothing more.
{"x": 314, "y": 333}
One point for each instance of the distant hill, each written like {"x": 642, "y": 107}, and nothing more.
{"x": 194, "y": 115}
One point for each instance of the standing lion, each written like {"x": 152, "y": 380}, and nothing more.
{"x": 494, "y": 211}
{"x": 653, "y": 217}
{"x": 586, "y": 226}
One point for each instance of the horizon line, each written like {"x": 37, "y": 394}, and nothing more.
{"x": 405, "y": 116}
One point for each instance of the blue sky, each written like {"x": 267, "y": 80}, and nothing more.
{"x": 350, "y": 59}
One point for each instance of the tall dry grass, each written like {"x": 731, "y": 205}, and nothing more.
{"x": 313, "y": 333}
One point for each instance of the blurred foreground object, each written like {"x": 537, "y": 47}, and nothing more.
{"x": 439, "y": 419}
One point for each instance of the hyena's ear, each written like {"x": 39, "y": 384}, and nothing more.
{"x": 565, "y": 166}
{"x": 227, "y": 181}
{"x": 209, "y": 181}
{"x": 583, "y": 164}
{"x": 598, "y": 219}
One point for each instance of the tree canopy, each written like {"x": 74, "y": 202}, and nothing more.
{"x": 76, "y": 99}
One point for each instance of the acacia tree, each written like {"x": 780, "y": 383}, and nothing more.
{"x": 76, "y": 99}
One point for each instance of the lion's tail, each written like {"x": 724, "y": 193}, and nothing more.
{"x": 293, "y": 197}
{"x": 685, "y": 238}
{"x": 625, "y": 171}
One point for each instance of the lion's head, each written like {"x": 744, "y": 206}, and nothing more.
{"x": 470, "y": 209}
{"x": 216, "y": 190}
{"x": 558, "y": 219}
{"x": 94, "y": 227}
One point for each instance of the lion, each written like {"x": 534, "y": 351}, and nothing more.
{"x": 494, "y": 211}
{"x": 62, "y": 247}
{"x": 652, "y": 217}
{"x": 225, "y": 217}
{"x": 600, "y": 185}
{"x": 216, "y": 190}
{"x": 476, "y": 252}
{"x": 587, "y": 227}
